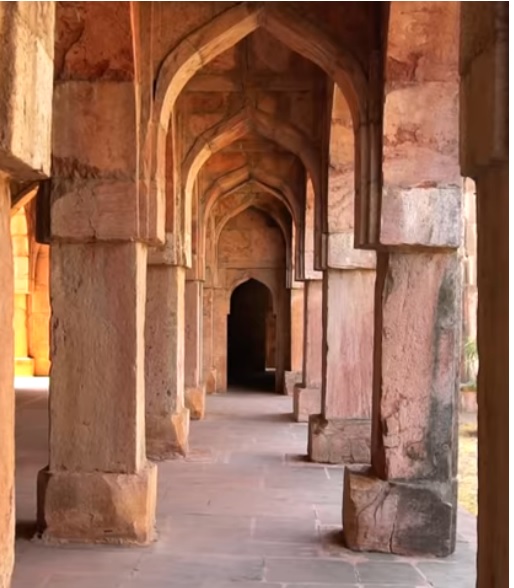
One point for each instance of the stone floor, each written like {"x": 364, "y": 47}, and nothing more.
{"x": 243, "y": 510}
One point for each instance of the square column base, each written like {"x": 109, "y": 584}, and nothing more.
{"x": 339, "y": 440}
{"x": 195, "y": 402}
{"x": 211, "y": 382}
{"x": 405, "y": 518}
{"x": 97, "y": 507}
{"x": 167, "y": 437}
{"x": 306, "y": 401}
{"x": 291, "y": 379}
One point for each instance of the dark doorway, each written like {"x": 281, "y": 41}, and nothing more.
{"x": 249, "y": 361}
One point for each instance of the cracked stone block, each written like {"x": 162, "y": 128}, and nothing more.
{"x": 405, "y": 518}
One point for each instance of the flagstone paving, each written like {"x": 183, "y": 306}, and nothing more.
{"x": 244, "y": 510}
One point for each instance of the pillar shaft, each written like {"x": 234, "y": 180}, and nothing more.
{"x": 294, "y": 375}
{"x": 412, "y": 481}
{"x": 97, "y": 421}
{"x": 209, "y": 371}
{"x": 167, "y": 421}
{"x": 193, "y": 377}
{"x": 7, "y": 516}
{"x": 342, "y": 432}
{"x": 221, "y": 306}
{"x": 307, "y": 395}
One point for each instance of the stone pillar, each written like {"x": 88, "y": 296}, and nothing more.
{"x": 194, "y": 386}
{"x": 221, "y": 307}
{"x": 7, "y": 517}
{"x": 307, "y": 395}
{"x": 282, "y": 340}
{"x": 98, "y": 486}
{"x": 209, "y": 371}
{"x": 342, "y": 432}
{"x": 294, "y": 375}
{"x": 406, "y": 502}
{"x": 167, "y": 419}
{"x": 484, "y": 155}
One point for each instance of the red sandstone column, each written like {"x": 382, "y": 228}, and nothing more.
{"x": 98, "y": 485}
{"x": 294, "y": 375}
{"x": 167, "y": 419}
{"x": 7, "y": 517}
{"x": 307, "y": 395}
{"x": 406, "y": 502}
{"x": 193, "y": 378}
{"x": 282, "y": 340}
{"x": 221, "y": 308}
{"x": 209, "y": 371}
{"x": 342, "y": 432}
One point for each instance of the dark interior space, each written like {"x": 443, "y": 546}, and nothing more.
{"x": 250, "y": 362}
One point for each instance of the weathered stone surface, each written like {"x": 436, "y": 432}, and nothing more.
{"x": 306, "y": 401}
{"x": 26, "y": 70}
{"x": 313, "y": 296}
{"x": 166, "y": 419}
{"x": 297, "y": 325}
{"x": 341, "y": 255}
{"x": 291, "y": 379}
{"x": 210, "y": 383}
{"x": 348, "y": 300}
{"x": 195, "y": 402}
{"x": 97, "y": 381}
{"x": 417, "y": 348}
{"x": 339, "y": 440}
{"x": 98, "y": 507}
{"x": 193, "y": 339}
{"x": 406, "y": 518}
{"x": 7, "y": 517}
{"x": 167, "y": 435}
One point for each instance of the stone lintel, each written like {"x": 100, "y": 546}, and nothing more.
{"x": 306, "y": 401}
{"x": 341, "y": 254}
{"x": 415, "y": 518}
{"x": 97, "y": 507}
{"x": 339, "y": 440}
{"x": 291, "y": 379}
{"x": 195, "y": 401}
{"x": 167, "y": 437}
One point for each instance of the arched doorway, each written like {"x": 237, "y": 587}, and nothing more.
{"x": 251, "y": 337}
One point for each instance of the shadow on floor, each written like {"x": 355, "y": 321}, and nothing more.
{"x": 252, "y": 382}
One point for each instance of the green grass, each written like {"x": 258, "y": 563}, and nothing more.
{"x": 468, "y": 480}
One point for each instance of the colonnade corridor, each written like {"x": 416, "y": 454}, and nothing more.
{"x": 244, "y": 509}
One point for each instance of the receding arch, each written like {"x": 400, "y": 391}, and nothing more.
{"x": 227, "y": 132}
{"x": 251, "y": 335}
{"x": 286, "y": 232}
{"x": 216, "y": 196}
{"x": 226, "y": 30}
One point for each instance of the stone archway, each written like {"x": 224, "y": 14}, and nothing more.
{"x": 251, "y": 336}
